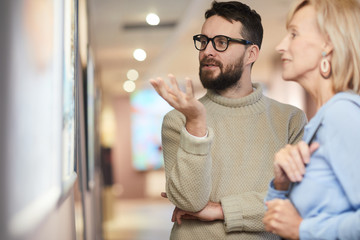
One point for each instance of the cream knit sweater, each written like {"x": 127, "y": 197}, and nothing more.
{"x": 233, "y": 165}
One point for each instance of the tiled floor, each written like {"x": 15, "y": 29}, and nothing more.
{"x": 139, "y": 220}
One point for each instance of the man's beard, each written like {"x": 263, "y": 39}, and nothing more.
{"x": 227, "y": 77}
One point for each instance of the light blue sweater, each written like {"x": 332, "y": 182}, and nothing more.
{"x": 328, "y": 197}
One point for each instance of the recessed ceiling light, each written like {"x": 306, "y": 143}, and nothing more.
{"x": 129, "y": 86}
{"x": 139, "y": 54}
{"x": 132, "y": 74}
{"x": 152, "y": 19}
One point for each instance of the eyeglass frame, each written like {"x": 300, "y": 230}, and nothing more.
{"x": 229, "y": 39}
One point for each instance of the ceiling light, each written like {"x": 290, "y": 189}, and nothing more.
{"x": 129, "y": 86}
{"x": 132, "y": 74}
{"x": 152, "y": 19}
{"x": 139, "y": 54}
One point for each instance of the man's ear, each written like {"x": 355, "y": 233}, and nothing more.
{"x": 252, "y": 54}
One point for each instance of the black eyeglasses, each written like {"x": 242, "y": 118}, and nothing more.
{"x": 219, "y": 42}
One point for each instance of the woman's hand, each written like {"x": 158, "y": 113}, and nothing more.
{"x": 290, "y": 162}
{"x": 282, "y": 219}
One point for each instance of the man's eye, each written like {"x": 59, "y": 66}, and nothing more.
{"x": 222, "y": 42}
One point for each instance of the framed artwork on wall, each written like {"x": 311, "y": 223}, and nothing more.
{"x": 34, "y": 113}
{"x": 69, "y": 94}
{"x": 90, "y": 116}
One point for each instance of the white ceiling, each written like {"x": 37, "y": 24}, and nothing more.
{"x": 169, "y": 49}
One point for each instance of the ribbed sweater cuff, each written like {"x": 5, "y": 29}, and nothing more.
{"x": 194, "y": 145}
{"x": 232, "y": 213}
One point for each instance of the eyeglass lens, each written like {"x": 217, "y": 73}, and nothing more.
{"x": 220, "y": 43}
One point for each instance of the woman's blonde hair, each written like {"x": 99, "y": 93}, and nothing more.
{"x": 339, "y": 21}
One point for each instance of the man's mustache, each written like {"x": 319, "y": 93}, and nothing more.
{"x": 210, "y": 61}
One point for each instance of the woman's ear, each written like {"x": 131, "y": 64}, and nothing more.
{"x": 328, "y": 46}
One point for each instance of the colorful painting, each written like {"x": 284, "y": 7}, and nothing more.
{"x": 148, "y": 110}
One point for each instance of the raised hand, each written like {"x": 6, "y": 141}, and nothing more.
{"x": 290, "y": 162}
{"x": 184, "y": 102}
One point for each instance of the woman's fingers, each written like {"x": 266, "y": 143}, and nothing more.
{"x": 292, "y": 160}
{"x": 284, "y": 163}
{"x": 313, "y": 147}
{"x": 296, "y": 163}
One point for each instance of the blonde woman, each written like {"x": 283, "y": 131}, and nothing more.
{"x": 316, "y": 190}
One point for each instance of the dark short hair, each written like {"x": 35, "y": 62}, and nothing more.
{"x": 252, "y": 29}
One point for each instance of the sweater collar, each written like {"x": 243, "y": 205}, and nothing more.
{"x": 250, "y": 99}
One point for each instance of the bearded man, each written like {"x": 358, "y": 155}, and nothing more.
{"x": 218, "y": 150}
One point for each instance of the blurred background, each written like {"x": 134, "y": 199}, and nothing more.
{"x": 80, "y": 143}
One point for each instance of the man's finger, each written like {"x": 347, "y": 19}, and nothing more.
{"x": 189, "y": 88}
{"x": 174, "y": 214}
{"x": 174, "y": 84}
{"x": 178, "y": 216}
{"x": 165, "y": 91}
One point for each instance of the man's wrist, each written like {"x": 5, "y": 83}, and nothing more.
{"x": 196, "y": 128}
{"x": 202, "y": 137}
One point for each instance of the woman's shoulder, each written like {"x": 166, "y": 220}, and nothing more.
{"x": 343, "y": 103}
{"x": 343, "y": 108}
